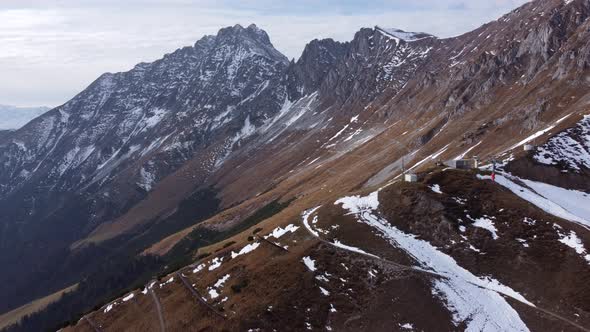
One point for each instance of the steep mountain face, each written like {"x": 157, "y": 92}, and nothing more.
{"x": 231, "y": 118}
{"x": 123, "y": 117}
{"x": 107, "y": 147}
{"x": 378, "y": 60}
{"x": 88, "y": 170}
{"x": 568, "y": 149}
{"x": 318, "y": 58}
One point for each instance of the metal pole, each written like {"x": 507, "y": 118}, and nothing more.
{"x": 405, "y": 149}
{"x": 494, "y": 169}
{"x": 403, "y": 165}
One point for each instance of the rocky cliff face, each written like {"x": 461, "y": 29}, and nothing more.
{"x": 318, "y": 58}
{"x": 107, "y": 147}
{"x": 220, "y": 83}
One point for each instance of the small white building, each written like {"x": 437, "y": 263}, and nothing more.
{"x": 462, "y": 163}
{"x": 529, "y": 147}
{"x": 409, "y": 177}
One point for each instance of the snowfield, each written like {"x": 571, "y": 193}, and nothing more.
{"x": 398, "y": 34}
{"x": 574, "y": 201}
{"x": 246, "y": 249}
{"x": 571, "y": 205}
{"x": 570, "y": 148}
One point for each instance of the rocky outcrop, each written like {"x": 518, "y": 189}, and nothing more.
{"x": 318, "y": 58}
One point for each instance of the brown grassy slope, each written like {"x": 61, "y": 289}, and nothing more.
{"x": 547, "y": 272}
{"x": 270, "y": 288}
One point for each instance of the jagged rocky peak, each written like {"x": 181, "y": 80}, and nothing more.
{"x": 205, "y": 42}
{"x": 253, "y": 37}
{"x": 373, "y": 62}
{"x": 251, "y": 31}
{"x": 374, "y": 54}
{"x": 403, "y": 35}
{"x": 230, "y": 38}
{"x": 318, "y": 58}
{"x": 253, "y": 28}
{"x": 375, "y": 41}
{"x": 233, "y": 75}
{"x": 127, "y": 131}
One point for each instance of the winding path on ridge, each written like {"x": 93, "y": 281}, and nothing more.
{"x": 92, "y": 324}
{"x": 401, "y": 267}
{"x": 198, "y": 296}
{"x": 158, "y": 309}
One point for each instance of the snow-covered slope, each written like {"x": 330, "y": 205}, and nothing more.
{"x": 569, "y": 149}
{"x": 560, "y": 202}
{"x": 475, "y": 301}
{"x": 403, "y": 35}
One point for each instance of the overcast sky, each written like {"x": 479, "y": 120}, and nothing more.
{"x": 51, "y": 50}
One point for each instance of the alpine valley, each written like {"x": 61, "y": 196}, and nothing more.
{"x": 227, "y": 188}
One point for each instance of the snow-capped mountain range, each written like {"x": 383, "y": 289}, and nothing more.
{"x": 231, "y": 126}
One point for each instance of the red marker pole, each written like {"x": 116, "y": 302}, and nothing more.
{"x": 494, "y": 170}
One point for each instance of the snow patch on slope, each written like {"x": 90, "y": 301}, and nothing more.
{"x": 310, "y": 263}
{"x": 538, "y": 133}
{"x": 436, "y": 188}
{"x": 216, "y": 288}
{"x": 570, "y": 147}
{"x": 402, "y": 35}
{"x": 571, "y": 205}
{"x": 485, "y": 223}
{"x": 573, "y": 241}
{"x": 475, "y": 301}
{"x": 279, "y": 231}
{"x": 246, "y": 249}
{"x": 146, "y": 179}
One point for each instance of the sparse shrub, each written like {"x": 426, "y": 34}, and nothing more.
{"x": 237, "y": 288}
{"x": 228, "y": 244}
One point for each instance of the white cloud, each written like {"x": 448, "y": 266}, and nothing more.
{"x": 49, "y": 53}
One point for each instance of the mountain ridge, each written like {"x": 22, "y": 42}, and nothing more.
{"x": 342, "y": 118}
